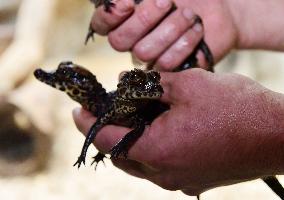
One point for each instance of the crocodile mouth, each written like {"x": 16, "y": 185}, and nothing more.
{"x": 51, "y": 79}
{"x": 44, "y": 76}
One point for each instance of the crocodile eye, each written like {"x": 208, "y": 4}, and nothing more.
{"x": 121, "y": 91}
{"x": 134, "y": 77}
{"x": 154, "y": 76}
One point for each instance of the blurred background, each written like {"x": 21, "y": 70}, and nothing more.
{"x": 38, "y": 139}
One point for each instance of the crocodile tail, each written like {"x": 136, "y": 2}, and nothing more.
{"x": 274, "y": 185}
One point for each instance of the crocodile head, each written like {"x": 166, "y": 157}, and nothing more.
{"x": 76, "y": 81}
{"x": 139, "y": 84}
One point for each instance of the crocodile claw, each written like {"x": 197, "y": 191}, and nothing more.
{"x": 81, "y": 159}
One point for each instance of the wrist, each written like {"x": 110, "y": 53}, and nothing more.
{"x": 275, "y": 102}
{"x": 268, "y": 127}
{"x": 259, "y": 23}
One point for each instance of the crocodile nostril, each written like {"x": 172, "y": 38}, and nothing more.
{"x": 38, "y": 73}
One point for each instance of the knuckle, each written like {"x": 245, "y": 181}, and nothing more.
{"x": 117, "y": 42}
{"x": 170, "y": 33}
{"x": 157, "y": 160}
{"x": 195, "y": 74}
{"x": 144, "y": 17}
{"x": 140, "y": 53}
{"x": 166, "y": 63}
{"x": 98, "y": 29}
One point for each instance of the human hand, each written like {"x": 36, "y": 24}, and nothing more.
{"x": 228, "y": 24}
{"x": 221, "y": 129}
{"x": 170, "y": 41}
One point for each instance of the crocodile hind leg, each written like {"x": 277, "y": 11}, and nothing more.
{"x": 127, "y": 141}
{"x": 274, "y": 185}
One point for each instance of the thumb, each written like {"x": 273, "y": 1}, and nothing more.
{"x": 168, "y": 82}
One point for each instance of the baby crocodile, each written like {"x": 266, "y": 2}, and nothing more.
{"x": 134, "y": 104}
{"x": 189, "y": 62}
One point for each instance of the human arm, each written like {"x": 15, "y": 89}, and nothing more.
{"x": 221, "y": 129}
{"x": 228, "y": 24}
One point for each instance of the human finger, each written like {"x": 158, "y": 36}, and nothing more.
{"x": 83, "y": 119}
{"x": 180, "y": 50}
{"x": 164, "y": 35}
{"x": 110, "y": 135}
{"x": 146, "y": 16}
{"x": 102, "y": 21}
{"x": 179, "y": 86}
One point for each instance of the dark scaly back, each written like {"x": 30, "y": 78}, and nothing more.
{"x": 80, "y": 84}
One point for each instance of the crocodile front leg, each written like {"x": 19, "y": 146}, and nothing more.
{"x": 128, "y": 140}
{"x": 98, "y": 158}
{"x": 101, "y": 122}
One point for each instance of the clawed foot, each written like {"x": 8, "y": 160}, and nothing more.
{"x": 98, "y": 158}
{"x": 80, "y": 160}
{"x": 119, "y": 149}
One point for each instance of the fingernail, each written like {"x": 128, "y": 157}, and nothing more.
{"x": 163, "y": 3}
{"x": 188, "y": 13}
{"x": 197, "y": 28}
